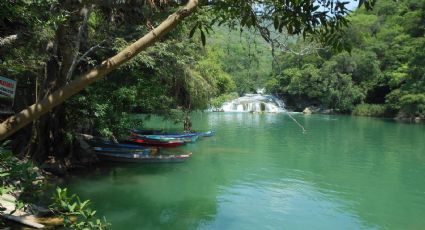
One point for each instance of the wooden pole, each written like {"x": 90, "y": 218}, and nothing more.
{"x": 33, "y": 112}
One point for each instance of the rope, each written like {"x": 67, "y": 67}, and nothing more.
{"x": 296, "y": 122}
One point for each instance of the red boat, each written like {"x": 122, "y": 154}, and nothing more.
{"x": 159, "y": 143}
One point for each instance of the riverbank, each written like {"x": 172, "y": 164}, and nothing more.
{"x": 28, "y": 197}
{"x": 367, "y": 110}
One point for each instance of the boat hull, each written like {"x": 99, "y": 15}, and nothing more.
{"x": 141, "y": 158}
{"x": 144, "y": 150}
{"x": 167, "y": 138}
{"x": 159, "y": 134}
{"x": 157, "y": 143}
{"x": 110, "y": 144}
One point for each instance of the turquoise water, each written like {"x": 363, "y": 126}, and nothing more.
{"x": 261, "y": 172}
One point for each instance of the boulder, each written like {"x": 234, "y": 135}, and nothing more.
{"x": 307, "y": 111}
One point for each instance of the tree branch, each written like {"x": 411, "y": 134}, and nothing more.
{"x": 78, "y": 60}
{"x": 86, "y": 13}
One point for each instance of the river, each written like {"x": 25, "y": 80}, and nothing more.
{"x": 261, "y": 171}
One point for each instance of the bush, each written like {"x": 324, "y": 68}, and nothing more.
{"x": 371, "y": 110}
{"x": 76, "y": 213}
{"x": 18, "y": 177}
{"x": 409, "y": 105}
{"x": 413, "y": 104}
{"x": 219, "y": 101}
{"x": 22, "y": 179}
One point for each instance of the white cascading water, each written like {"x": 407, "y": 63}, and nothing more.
{"x": 254, "y": 103}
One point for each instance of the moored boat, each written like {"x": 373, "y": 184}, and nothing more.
{"x": 185, "y": 138}
{"x": 110, "y": 144}
{"x": 142, "y": 158}
{"x": 154, "y": 142}
{"x": 145, "y": 151}
{"x": 175, "y": 135}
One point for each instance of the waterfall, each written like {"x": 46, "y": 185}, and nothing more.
{"x": 254, "y": 103}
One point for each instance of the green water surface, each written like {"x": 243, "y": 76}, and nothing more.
{"x": 261, "y": 172}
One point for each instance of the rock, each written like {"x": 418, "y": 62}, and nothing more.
{"x": 307, "y": 111}
{"x": 9, "y": 212}
{"x": 327, "y": 111}
{"x": 54, "y": 168}
{"x": 83, "y": 152}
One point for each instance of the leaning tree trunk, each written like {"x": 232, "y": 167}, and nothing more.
{"x": 26, "y": 116}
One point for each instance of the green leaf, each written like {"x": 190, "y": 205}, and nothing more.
{"x": 4, "y": 174}
{"x": 19, "y": 205}
{"x": 192, "y": 31}
{"x": 276, "y": 22}
{"x": 360, "y": 3}
{"x": 203, "y": 39}
{"x": 72, "y": 207}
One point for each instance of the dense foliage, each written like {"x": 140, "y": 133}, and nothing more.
{"x": 244, "y": 55}
{"x": 384, "y": 67}
{"x": 175, "y": 75}
{"x": 57, "y": 40}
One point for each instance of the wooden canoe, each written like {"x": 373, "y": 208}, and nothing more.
{"x": 158, "y": 143}
{"x": 145, "y": 150}
{"x": 188, "y": 138}
{"x": 141, "y": 158}
{"x": 174, "y": 135}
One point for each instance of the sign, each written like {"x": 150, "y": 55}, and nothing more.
{"x": 7, "y": 87}
{"x": 7, "y": 94}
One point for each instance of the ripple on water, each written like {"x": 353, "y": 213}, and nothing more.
{"x": 276, "y": 204}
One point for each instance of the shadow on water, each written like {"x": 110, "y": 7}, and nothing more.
{"x": 140, "y": 196}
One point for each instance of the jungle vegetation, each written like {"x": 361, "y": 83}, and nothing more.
{"x": 56, "y": 48}
{"x": 382, "y": 74}
{"x": 309, "y": 53}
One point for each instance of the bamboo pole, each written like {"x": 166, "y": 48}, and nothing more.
{"x": 33, "y": 112}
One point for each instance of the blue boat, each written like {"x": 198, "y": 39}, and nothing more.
{"x": 117, "y": 146}
{"x": 199, "y": 134}
{"x": 184, "y": 138}
{"x": 142, "y": 158}
{"x": 145, "y": 151}
{"x": 173, "y": 135}
{"x": 125, "y": 146}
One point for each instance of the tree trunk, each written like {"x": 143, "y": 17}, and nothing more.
{"x": 47, "y": 136}
{"x": 187, "y": 121}
{"x": 16, "y": 122}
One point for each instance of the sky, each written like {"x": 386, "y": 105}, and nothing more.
{"x": 352, "y": 5}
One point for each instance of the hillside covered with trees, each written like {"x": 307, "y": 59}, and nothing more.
{"x": 382, "y": 75}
